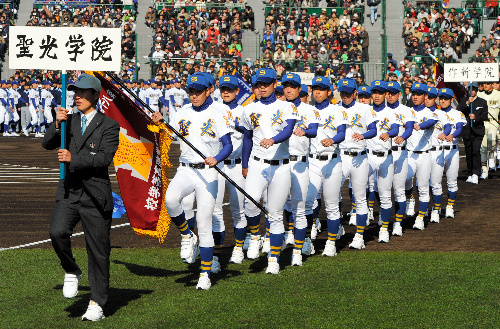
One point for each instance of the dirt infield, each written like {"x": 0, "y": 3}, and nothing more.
{"x": 28, "y": 176}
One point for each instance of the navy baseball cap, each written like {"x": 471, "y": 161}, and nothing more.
{"x": 418, "y": 87}
{"x": 432, "y": 92}
{"x": 47, "y": 82}
{"x": 198, "y": 82}
{"x": 15, "y": 82}
{"x": 322, "y": 82}
{"x": 229, "y": 81}
{"x": 254, "y": 80}
{"x": 347, "y": 85}
{"x": 365, "y": 90}
{"x": 445, "y": 93}
{"x": 291, "y": 78}
{"x": 34, "y": 81}
{"x": 279, "y": 87}
{"x": 305, "y": 91}
{"x": 266, "y": 75}
{"x": 86, "y": 81}
{"x": 378, "y": 85}
{"x": 128, "y": 81}
{"x": 147, "y": 83}
{"x": 208, "y": 77}
{"x": 393, "y": 87}
{"x": 153, "y": 81}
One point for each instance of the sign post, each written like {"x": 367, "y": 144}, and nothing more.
{"x": 62, "y": 49}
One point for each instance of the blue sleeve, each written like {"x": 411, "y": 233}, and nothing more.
{"x": 427, "y": 124}
{"x": 227, "y": 148}
{"x": 33, "y": 102}
{"x": 4, "y": 102}
{"x": 43, "y": 103}
{"x": 172, "y": 99}
{"x": 458, "y": 130}
{"x": 408, "y": 129}
{"x": 285, "y": 133}
{"x": 11, "y": 102}
{"x": 372, "y": 131}
{"x": 186, "y": 100}
{"x": 339, "y": 138}
{"x": 147, "y": 101}
{"x": 447, "y": 129}
{"x": 53, "y": 102}
{"x": 23, "y": 99}
{"x": 238, "y": 127}
{"x": 312, "y": 130}
{"x": 394, "y": 130}
{"x": 246, "y": 148}
{"x": 163, "y": 101}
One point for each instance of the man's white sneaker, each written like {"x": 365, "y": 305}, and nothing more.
{"x": 70, "y": 288}
{"x": 297, "y": 257}
{"x": 247, "y": 241}
{"x": 237, "y": 256}
{"x": 204, "y": 282}
{"x": 39, "y": 135}
{"x": 419, "y": 223}
{"x": 273, "y": 267}
{"x": 474, "y": 179}
{"x": 435, "y": 216}
{"x": 383, "y": 235}
{"x": 352, "y": 219}
{"x": 215, "y": 265}
{"x": 397, "y": 229}
{"x": 484, "y": 175}
{"x": 289, "y": 238}
{"x": 492, "y": 164}
{"x": 450, "y": 213}
{"x": 469, "y": 179}
{"x": 14, "y": 134}
{"x": 314, "y": 232}
{"x": 253, "y": 247}
{"x": 341, "y": 232}
{"x": 26, "y": 133}
{"x": 410, "y": 207}
{"x": 357, "y": 242}
{"x": 188, "y": 244}
{"x": 266, "y": 246}
{"x": 308, "y": 247}
{"x": 94, "y": 312}
{"x": 196, "y": 253}
{"x": 330, "y": 249}
{"x": 6, "y": 134}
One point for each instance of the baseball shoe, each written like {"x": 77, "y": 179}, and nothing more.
{"x": 370, "y": 215}
{"x": 273, "y": 267}
{"x": 70, "y": 288}
{"x": 188, "y": 244}
{"x": 297, "y": 257}
{"x": 492, "y": 164}
{"x": 237, "y": 256}
{"x": 266, "y": 245}
{"x": 410, "y": 207}
{"x": 289, "y": 239}
{"x": 6, "y": 134}
{"x": 419, "y": 223}
{"x": 314, "y": 232}
{"x": 253, "y": 247}
{"x": 397, "y": 229}
{"x": 38, "y": 135}
{"x": 474, "y": 179}
{"x": 192, "y": 259}
{"x": 352, "y": 219}
{"x": 204, "y": 282}
{"x": 26, "y": 133}
{"x": 341, "y": 231}
{"x": 357, "y": 242}
{"x": 450, "y": 213}
{"x": 469, "y": 179}
{"x": 383, "y": 235}
{"x": 14, "y": 134}
{"x": 330, "y": 249}
{"x": 484, "y": 175}
{"x": 308, "y": 247}
{"x": 247, "y": 241}
{"x": 435, "y": 216}
{"x": 318, "y": 225}
{"x": 94, "y": 312}
{"x": 215, "y": 265}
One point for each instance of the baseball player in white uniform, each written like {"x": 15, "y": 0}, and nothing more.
{"x": 380, "y": 160}
{"x": 490, "y": 142}
{"x": 177, "y": 97}
{"x": 265, "y": 160}
{"x": 280, "y": 93}
{"x": 34, "y": 103}
{"x": 5, "y": 109}
{"x": 47, "y": 100}
{"x": 70, "y": 98}
{"x": 362, "y": 126}
{"x": 14, "y": 97}
{"x": 419, "y": 158}
{"x": 305, "y": 128}
{"x": 406, "y": 118}
{"x": 204, "y": 126}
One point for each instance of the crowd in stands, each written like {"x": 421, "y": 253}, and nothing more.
{"x": 489, "y": 47}
{"x": 8, "y": 15}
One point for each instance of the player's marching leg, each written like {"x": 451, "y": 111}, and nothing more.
{"x": 187, "y": 204}
{"x": 218, "y": 227}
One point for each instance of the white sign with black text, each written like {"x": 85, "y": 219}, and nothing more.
{"x": 458, "y": 72}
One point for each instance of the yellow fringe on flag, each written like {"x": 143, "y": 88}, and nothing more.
{"x": 164, "y": 220}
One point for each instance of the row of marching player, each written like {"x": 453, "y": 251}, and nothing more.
{"x": 287, "y": 152}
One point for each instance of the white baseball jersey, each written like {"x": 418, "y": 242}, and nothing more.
{"x": 360, "y": 117}
{"x": 142, "y": 94}
{"x": 438, "y": 127}
{"x": 454, "y": 117}
{"x": 266, "y": 121}
{"x": 493, "y": 99}
{"x": 300, "y": 145}
{"x": 422, "y": 140}
{"x": 216, "y": 96}
{"x": 152, "y": 98}
{"x": 5, "y": 97}
{"x": 179, "y": 95}
{"x": 329, "y": 118}
{"x": 404, "y": 114}
{"x": 14, "y": 95}
{"x": 202, "y": 129}
{"x": 385, "y": 119}
{"x": 230, "y": 118}
{"x": 47, "y": 98}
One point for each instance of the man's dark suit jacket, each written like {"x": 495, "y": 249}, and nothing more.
{"x": 480, "y": 110}
{"x": 91, "y": 154}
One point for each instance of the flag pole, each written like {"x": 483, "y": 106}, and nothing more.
{"x": 222, "y": 173}
{"x": 470, "y": 85}
{"x": 62, "y": 172}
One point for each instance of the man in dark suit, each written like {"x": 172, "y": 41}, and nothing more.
{"x": 85, "y": 193}
{"x": 473, "y": 136}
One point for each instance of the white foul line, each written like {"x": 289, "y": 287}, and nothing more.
{"x": 73, "y": 235}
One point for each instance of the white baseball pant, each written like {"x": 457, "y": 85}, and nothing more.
{"x": 296, "y": 202}
{"x": 419, "y": 165}
{"x": 437, "y": 167}
{"x": 380, "y": 177}
{"x": 400, "y": 160}
{"x": 356, "y": 168}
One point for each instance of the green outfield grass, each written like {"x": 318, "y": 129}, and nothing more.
{"x": 151, "y": 288}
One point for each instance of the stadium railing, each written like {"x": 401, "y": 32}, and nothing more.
{"x": 484, "y": 60}
{"x": 158, "y": 6}
{"x": 51, "y": 5}
{"x": 316, "y": 10}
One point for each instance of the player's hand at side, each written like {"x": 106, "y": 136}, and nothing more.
{"x": 61, "y": 115}
{"x": 64, "y": 155}
{"x": 384, "y": 137}
{"x": 244, "y": 172}
{"x": 357, "y": 137}
{"x": 327, "y": 142}
{"x": 12, "y": 109}
{"x": 449, "y": 138}
{"x": 266, "y": 143}
{"x": 442, "y": 136}
{"x": 157, "y": 117}
{"x": 416, "y": 127}
{"x": 472, "y": 116}
{"x": 299, "y": 132}
{"x": 210, "y": 161}
{"x": 399, "y": 140}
